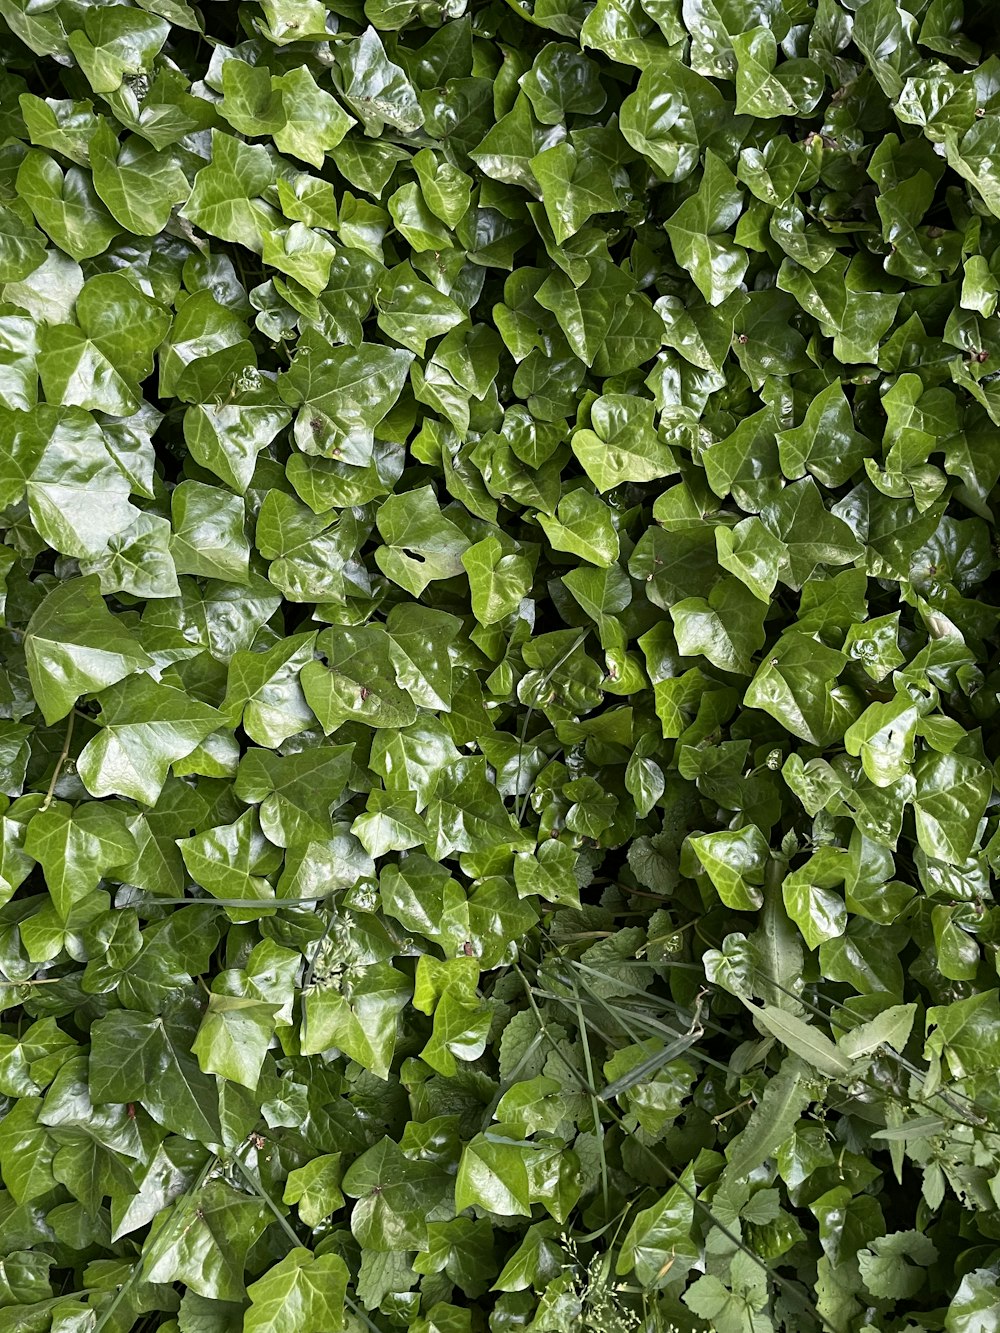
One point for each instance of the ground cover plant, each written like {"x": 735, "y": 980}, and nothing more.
{"x": 498, "y": 708}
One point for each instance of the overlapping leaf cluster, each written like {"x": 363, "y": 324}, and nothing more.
{"x": 498, "y": 707}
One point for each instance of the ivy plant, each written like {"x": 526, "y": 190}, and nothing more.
{"x": 499, "y": 673}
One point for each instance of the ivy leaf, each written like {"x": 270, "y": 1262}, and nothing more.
{"x": 421, "y": 543}
{"x": 497, "y": 581}
{"x": 138, "y": 185}
{"x": 697, "y": 233}
{"x": 493, "y": 1174}
{"x": 139, "y": 1057}
{"x": 65, "y": 206}
{"x": 952, "y": 794}
{"x": 145, "y": 728}
{"x": 77, "y": 495}
{"x": 205, "y": 1244}
{"x": 232, "y": 860}
{"x": 342, "y": 396}
{"x": 360, "y": 683}
{"x": 225, "y": 201}
{"x": 315, "y": 1188}
{"x": 734, "y": 861}
{"x": 664, "y": 118}
{"x": 397, "y": 1195}
{"x": 726, "y": 628}
{"x": 660, "y": 1236}
{"x": 137, "y": 561}
{"x": 796, "y": 684}
{"x": 112, "y": 44}
{"x": 621, "y": 443}
{"x": 227, "y": 438}
{"x": 303, "y": 1287}
{"x": 375, "y": 88}
{"x": 208, "y": 532}
{"x": 233, "y": 1038}
{"x": 294, "y": 792}
{"x": 75, "y": 646}
{"x": 766, "y": 88}
{"x": 360, "y": 1017}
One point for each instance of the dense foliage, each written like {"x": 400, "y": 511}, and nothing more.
{"x": 498, "y": 713}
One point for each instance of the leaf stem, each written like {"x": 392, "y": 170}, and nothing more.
{"x": 697, "y": 1201}
{"x": 140, "y": 1263}
{"x": 63, "y": 756}
{"x": 255, "y": 1183}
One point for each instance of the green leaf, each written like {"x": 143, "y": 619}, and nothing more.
{"x": 360, "y": 684}
{"x": 208, "y": 533}
{"x": 225, "y": 201}
{"x": 227, "y": 438}
{"x": 294, "y": 792}
{"x": 734, "y": 861}
{"x": 621, "y": 443}
{"x": 658, "y": 1246}
{"x": 697, "y": 229}
{"x": 359, "y": 1017}
{"x": 826, "y": 443}
{"x": 398, "y": 1195}
{"x": 965, "y": 1033}
{"x": 493, "y": 1174}
{"x": 771, "y": 1123}
{"x": 726, "y": 628}
{"x": 582, "y": 525}
{"x": 77, "y": 494}
{"x": 666, "y": 115}
{"x": 498, "y": 582}
{"x": 304, "y": 254}
{"x": 146, "y": 727}
{"x": 749, "y": 551}
{"x": 796, "y": 684}
{"x": 421, "y": 543}
{"x": 232, "y": 860}
{"x": 116, "y": 42}
{"x": 891, "y": 1028}
{"x": 137, "y": 560}
{"x": 304, "y": 1287}
{"x": 233, "y": 1038}
{"x": 22, "y": 246}
{"x": 27, "y": 1151}
{"x": 952, "y": 794}
{"x": 343, "y": 393}
{"x": 766, "y": 88}
{"x": 263, "y": 690}
{"x": 138, "y": 1057}
{"x": 375, "y": 88}
{"x": 809, "y": 899}
{"x": 315, "y": 1188}
{"x": 65, "y": 206}
{"x": 138, "y": 185}
{"x": 411, "y": 311}
{"x": 204, "y": 1245}
{"x": 75, "y": 646}
{"x": 805, "y": 1040}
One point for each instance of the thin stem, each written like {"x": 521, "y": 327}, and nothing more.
{"x": 166, "y": 1234}
{"x": 698, "y": 1202}
{"x": 594, "y": 1108}
{"x": 255, "y": 1183}
{"x": 151, "y": 900}
{"x": 63, "y": 756}
{"x": 257, "y": 1186}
